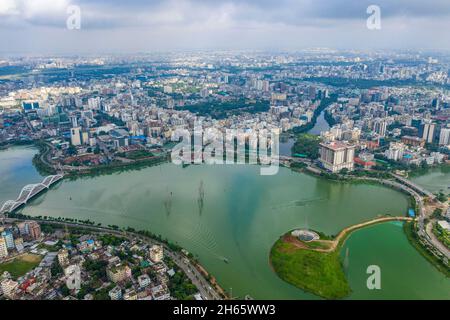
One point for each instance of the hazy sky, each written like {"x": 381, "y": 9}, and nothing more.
{"x": 122, "y": 26}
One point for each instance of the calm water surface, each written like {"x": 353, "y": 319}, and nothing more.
{"x": 242, "y": 215}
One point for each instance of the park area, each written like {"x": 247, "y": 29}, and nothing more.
{"x": 302, "y": 265}
{"x": 20, "y": 265}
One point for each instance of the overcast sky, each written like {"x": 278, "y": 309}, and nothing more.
{"x": 126, "y": 26}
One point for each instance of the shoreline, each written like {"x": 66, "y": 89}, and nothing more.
{"x": 332, "y": 251}
{"x": 127, "y": 231}
{"x": 352, "y": 179}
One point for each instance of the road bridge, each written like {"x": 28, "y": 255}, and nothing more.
{"x": 28, "y": 192}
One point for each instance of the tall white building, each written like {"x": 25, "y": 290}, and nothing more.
{"x": 94, "y": 103}
{"x": 337, "y": 155}
{"x": 395, "y": 151}
{"x": 78, "y": 137}
{"x": 444, "y": 137}
{"x": 380, "y": 126}
{"x": 428, "y": 132}
{"x": 75, "y": 136}
{"x": 3, "y": 248}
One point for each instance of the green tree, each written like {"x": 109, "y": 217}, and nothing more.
{"x": 307, "y": 144}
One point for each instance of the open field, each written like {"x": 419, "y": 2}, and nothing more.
{"x": 20, "y": 265}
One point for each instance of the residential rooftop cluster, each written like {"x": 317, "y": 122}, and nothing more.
{"x": 73, "y": 263}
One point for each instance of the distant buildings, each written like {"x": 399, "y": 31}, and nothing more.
{"x": 380, "y": 127}
{"x": 337, "y": 155}
{"x": 428, "y": 132}
{"x": 78, "y": 137}
{"x": 8, "y": 236}
{"x": 444, "y": 137}
{"x": 395, "y": 151}
{"x": 413, "y": 141}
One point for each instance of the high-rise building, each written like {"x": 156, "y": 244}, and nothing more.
{"x": 312, "y": 92}
{"x": 204, "y": 92}
{"x": 8, "y": 236}
{"x": 444, "y": 137}
{"x": 18, "y": 242}
{"x": 428, "y": 132}
{"x": 94, "y": 103}
{"x": 35, "y": 229}
{"x": 74, "y": 121}
{"x": 380, "y": 126}
{"x": 395, "y": 151}
{"x": 78, "y": 137}
{"x": 435, "y": 103}
{"x": 3, "y": 248}
{"x": 75, "y": 136}
{"x": 337, "y": 155}
{"x": 23, "y": 228}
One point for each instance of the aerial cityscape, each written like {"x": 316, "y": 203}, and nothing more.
{"x": 221, "y": 172}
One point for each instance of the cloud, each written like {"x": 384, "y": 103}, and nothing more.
{"x": 149, "y": 24}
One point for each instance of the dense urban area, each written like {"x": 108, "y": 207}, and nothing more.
{"x": 385, "y": 116}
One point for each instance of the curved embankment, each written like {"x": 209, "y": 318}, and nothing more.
{"x": 339, "y": 240}
{"x": 316, "y": 266}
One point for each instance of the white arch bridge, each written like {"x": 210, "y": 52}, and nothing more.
{"x": 28, "y": 192}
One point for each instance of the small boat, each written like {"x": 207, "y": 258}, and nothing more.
{"x": 225, "y": 260}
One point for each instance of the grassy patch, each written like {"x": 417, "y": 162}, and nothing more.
{"x": 20, "y": 265}
{"x": 316, "y": 272}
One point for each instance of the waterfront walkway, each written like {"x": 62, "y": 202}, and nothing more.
{"x": 333, "y": 244}
{"x": 420, "y": 195}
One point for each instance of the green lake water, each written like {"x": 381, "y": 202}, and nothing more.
{"x": 242, "y": 215}
{"x": 434, "y": 179}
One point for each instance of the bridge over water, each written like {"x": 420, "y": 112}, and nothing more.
{"x": 414, "y": 186}
{"x": 28, "y": 192}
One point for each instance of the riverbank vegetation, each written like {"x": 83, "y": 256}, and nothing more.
{"x": 116, "y": 167}
{"x": 221, "y": 110}
{"x": 324, "y": 103}
{"x": 410, "y": 229}
{"x": 307, "y": 145}
{"x": 43, "y": 168}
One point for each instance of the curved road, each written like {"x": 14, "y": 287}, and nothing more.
{"x": 204, "y": 287}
